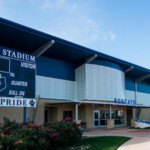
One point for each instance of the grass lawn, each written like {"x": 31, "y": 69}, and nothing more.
{"x": 99, "y": 143}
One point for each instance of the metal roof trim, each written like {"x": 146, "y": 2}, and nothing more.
{"x": 114, "y": 104}
{"x": 98, "y": 103}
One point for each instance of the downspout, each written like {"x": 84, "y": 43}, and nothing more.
{"x": 85, "y": 81}
{"x": 135, "y": 85}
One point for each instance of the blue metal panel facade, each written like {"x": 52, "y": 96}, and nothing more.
{"x": 129, "y": 84}
{"x": 54, "y": 68}
{"x": 107, "y": 64}
{"x": 143, "y": 86}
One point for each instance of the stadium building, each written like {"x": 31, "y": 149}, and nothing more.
{"x": 93, "y": 88}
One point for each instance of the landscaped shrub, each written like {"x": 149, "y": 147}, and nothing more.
{"x": 68, "y": 130}
{"x": 29, "y": 136}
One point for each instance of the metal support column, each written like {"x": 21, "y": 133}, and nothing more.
{"x": 135, "y": 84}
{"x": 76, "y": 112}
{"x": 133, "y": 113}
{"x": 110, "y": 112}
{"x": 31, "y": 114}
{"x": 25, "y": 114}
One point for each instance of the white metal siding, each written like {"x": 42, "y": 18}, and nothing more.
{"x": 48, "y": 87}
{"x": 104, "y": 83}
{"x": 142, "y": 98}
{"x": 130, "y": 95}
{"x": 80, "y": 83}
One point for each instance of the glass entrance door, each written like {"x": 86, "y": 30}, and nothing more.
{"x": 96, "y": 118}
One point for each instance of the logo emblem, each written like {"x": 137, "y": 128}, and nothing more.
{"x": 32, "y": 103}
{"x": 3, "y": 83}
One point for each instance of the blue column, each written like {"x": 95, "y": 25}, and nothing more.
{"x": 25, "y": 114}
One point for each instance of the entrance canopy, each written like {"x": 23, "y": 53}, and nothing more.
{"x": 96, "y": 103}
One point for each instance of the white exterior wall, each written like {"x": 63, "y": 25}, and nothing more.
{"x": 130, "y": 95}
{"x": 80, "y": 81}
{"x": 48, "y": 87}
{"x": 97, "y": 82}
{"x": 104, "y": 83}
{"x": 93, "y": 82}
{"x": 142, "y": 98}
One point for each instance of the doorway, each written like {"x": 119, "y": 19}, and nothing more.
{"x": 129, "y": 117}
{"x": 96, "y": 118}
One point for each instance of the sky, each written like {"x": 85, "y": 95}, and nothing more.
{"x": 120, "y": 28}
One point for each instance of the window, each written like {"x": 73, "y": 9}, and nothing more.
{"x": 67, "y": 114}
{"x": 46, "y": 116}
{"x": 103, "y": 115}
{"x": 117, "y": 115}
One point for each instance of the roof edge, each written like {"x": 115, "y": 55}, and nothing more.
{"x": 50, "y": 37}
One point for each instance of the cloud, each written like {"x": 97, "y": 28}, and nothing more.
{"x": 47, "y": 4}
{"x": 109, "y": 36}
{"x": 75, "y": 21}
{"x": 60, "y": 3}
{"x": 3, "y": 11}
{"x": 112, "y": 35}
{"x": 71, "y": 22}
{"x": 92, "y": 29}
{"x": 53, "y": 4}
{"x": 84, "y": 31}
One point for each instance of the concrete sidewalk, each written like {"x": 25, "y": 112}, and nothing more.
{"x": 136, "y": 144}
{"x": 140, "y": 137}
